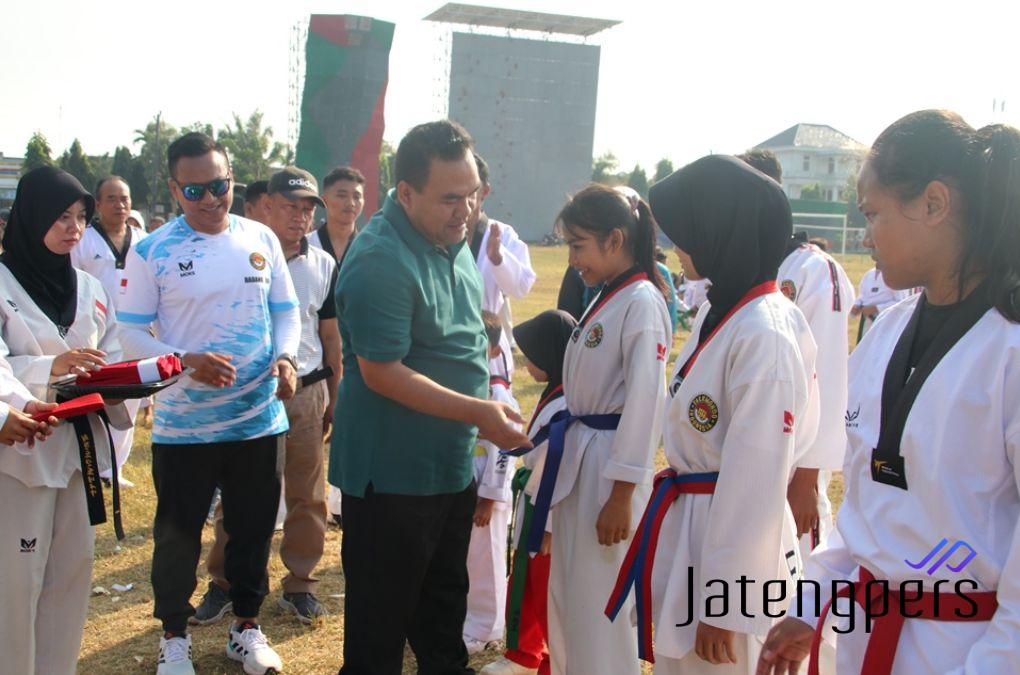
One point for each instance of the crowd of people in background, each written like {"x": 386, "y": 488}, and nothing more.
{"x": 395, "y": 343}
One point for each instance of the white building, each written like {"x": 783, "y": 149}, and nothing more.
{"x": 10, "y": 171}
{"x": 815, "y": 154}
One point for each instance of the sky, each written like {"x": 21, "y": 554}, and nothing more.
{"x": 677, "y": 79}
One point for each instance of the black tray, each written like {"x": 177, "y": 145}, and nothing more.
{"x": 69, "y": 389}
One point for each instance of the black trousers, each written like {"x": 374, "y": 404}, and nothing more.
{"x": 185, "y": 476}
{"x": 405, "y": 569}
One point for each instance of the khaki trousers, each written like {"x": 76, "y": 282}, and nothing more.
{"x": 304, "y": 493}
{"x": 46, "y": 548}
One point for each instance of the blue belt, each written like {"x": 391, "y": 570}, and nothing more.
{"x": 556, "y": 432}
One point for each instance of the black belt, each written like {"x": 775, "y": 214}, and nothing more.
{"x": 317, "y": 375}
{"x": 90, "y": 472}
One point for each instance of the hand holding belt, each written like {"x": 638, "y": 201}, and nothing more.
{"x": 636, "y": 570}
{"x": 556, "y": 432}
{"x": 885, "y": 635}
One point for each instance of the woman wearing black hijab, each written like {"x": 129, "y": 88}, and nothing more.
{"x": 54, "y": 321}
{"x": 543, "y": 341}
{"x": 741, "y": 404}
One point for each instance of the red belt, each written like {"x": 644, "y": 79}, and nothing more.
{"x": 885, "y": 634}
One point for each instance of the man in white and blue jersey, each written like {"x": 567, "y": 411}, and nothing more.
{"x": 215, "y": 288}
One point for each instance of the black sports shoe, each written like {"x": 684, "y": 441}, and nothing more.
{"x": 303, "y": 605}
{"x": 215, "y": 605}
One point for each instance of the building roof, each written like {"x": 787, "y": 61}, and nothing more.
{"x": 476, "y": 15}
{"x": 812, "y": 136}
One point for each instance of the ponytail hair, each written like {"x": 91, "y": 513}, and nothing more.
{"x": 600, "y": 209}
{"x": 983, "y": 167}
{"x": 992, "y": 237}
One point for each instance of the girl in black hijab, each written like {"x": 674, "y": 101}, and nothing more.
{"x": 730, "y": 226}
{"x": 49, "y": 205}
{"x": 54, "y": 321}
{"x": 741, "y": 404}
{"x": 543, "y": 341}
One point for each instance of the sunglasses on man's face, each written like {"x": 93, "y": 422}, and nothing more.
{"x": 193, "y": 192}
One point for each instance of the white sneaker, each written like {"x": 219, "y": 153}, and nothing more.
{"x": 175, "y": 656}
{"x": 478, "y": 646}
{"x": 251, "y": 648}
{"x": 507, "y": 667}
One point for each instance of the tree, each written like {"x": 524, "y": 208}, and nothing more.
{"x": 663, "y": 168}
{"x": 387, "y": 157}
{"x": 813, "y": 191}
{"x": 154, "y": 139}
{"x": 122, "y": 161}
{"x": 132, "y": 170}
{"x": 37, "y": 153}
{"x": 604, "y": 168}
{"x": 638, "y": 180}
{"x": 252, "y": 149}
{"x": 74, "y": 162}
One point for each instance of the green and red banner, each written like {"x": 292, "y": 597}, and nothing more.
{"x": 342, "y": 122}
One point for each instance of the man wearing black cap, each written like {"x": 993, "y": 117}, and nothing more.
{"x": 291, "y": 200}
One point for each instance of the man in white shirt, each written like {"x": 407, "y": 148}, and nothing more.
{"x": 505, "y": 265}
{"x": 215, "y": 288}
{"x": 102, "y": 252}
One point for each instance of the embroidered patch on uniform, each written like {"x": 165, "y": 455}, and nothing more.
{"x": 594, "y": 337}
{"x": 576, "y": 334}
{"x": 660, "y": 352}
{"x": 703, "y": 412}
{"x": 123, "y": 286}
{"x": 789, "y": 289}
{"x": 258, "y": 261}
{"x": 28, "y": 545}
{"x": 787, "y": 422}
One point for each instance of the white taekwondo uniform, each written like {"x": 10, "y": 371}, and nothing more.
{"x": 819, "y": 286}
{"x": 44, "y": 596}
{"x": 746, "y": 407}
{"x": 960, "y": 450}
{"x": 486, "y": 561}
{"x": 614, "y": 363}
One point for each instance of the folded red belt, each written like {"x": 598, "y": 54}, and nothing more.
{"x": 82, "y": 405}
{"x": 144, "y": 371}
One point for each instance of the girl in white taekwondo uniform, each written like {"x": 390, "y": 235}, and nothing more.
{"x": 614, "y": 385}
{"x": 932, "y": 506}
{"x": 54, "y": 321}
{"x": 820, "y": 288}
{"x": 742, "y": 405}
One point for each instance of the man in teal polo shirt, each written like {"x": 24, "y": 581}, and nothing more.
{"x": 410, "y": 404}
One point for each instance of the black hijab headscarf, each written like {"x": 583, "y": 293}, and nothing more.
{"x": 48, "y": 278}
{"x": 543, "y": 340}
{"x": 732, "y": 220}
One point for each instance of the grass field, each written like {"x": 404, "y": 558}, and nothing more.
{"x": 122, "y": 637}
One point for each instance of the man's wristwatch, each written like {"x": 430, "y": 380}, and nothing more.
{"x": 289, "y": 359}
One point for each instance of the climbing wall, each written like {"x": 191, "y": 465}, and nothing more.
{"x": 530, "y": 105}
